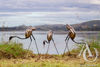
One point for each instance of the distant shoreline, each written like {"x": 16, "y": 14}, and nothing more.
{"x": 57, "y": 32}
{"x": 93, "y": 25}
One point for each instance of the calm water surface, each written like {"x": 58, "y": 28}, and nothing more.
{"x": 40, "y": 36}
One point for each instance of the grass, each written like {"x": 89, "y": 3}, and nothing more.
{"x": 92, "y": 44}
{"x": 13, "y": 55}
{"x": 13, "y": 50}
{"x": 72, "y": 62}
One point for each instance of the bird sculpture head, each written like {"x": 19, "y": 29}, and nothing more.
{"x": 50, "y": 31}
{"x": 10, "y": 38}
{"x": 33, "y": 28}
{"x": 68, "y": 26}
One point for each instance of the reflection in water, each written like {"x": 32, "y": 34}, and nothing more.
{"x": 40, "y": 36}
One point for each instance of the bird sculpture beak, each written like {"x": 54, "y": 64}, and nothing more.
{"x": 43, "y": 44}
{"x": 67, "y": 26}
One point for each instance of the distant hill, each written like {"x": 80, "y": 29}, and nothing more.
{"x": 93, "y": 25}
{"x": 17, "y": 28}
{"x": 54, "y": 27}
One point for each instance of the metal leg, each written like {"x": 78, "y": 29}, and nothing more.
{"x": 66, "y": 37}
{"x": 66, "y": 40}
{"x": 48, "y": 48}
{"x": 30, "y": 43}
{"x": 35, "y": 44}
{"x": 55, "y": 46}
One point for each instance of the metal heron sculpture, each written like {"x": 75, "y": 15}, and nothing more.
{"x": 49, "y": 39}
{"x": 71, "y": 35}
{"x": 28, "y": 34}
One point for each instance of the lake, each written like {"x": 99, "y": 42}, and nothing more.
{"x": 59, "y": 38}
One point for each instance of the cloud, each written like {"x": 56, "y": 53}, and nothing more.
{"x": 35, "y": 12}
{"x": 48, "y": 5}
{"x": 96, "y": 2}
{"x": 38, "y": 18}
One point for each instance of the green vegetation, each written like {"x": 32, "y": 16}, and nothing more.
{"x": 13, "y": 50}
{"x": 13, "y": 55}
{"x": 92, "y": 44}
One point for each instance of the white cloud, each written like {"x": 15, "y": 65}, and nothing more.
{"x": 47, "y": 5}
{"x": 97, "y": 2}
{"x": 48, "y": 11}
{"x": 38, "y": 18}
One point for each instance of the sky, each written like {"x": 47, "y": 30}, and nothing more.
{"x": 40, "y": 12}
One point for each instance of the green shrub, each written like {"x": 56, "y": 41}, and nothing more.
{"x": 13, "y": 50}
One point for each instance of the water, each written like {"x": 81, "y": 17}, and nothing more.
{"x": 40, "y": 36}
